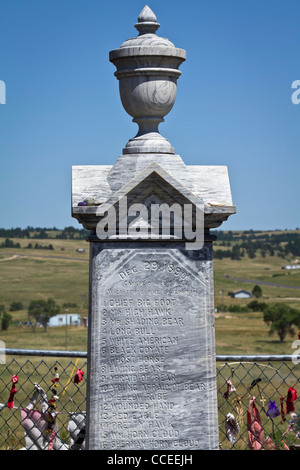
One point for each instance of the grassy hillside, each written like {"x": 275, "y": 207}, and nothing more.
{"x": 62, "y": 273}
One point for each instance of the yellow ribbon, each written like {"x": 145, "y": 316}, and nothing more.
{"x": 239, "y": 409}
{"x": 70, "y": 378}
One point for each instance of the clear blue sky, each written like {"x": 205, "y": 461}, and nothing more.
{"x": 233, "y": 102}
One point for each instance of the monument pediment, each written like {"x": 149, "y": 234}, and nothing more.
{"x": 154, "y": 179}
{"x": 193, "y": 184}
{"x": 152, "y": 188}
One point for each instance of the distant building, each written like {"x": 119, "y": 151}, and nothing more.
{"x": 72, "y": 319}
{"x": 240, "y": 294}
{"x": 291, "y": 266}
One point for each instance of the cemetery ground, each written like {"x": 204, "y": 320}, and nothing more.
{"x": 62, "y": 273}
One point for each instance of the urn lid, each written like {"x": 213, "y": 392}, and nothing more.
{"x": 147, "y": 42}
{"x": 147, "y": 26}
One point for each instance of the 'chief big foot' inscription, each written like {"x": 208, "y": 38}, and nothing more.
{"x": 155, "y": 371}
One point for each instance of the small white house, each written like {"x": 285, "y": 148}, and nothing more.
{"x": 291, "y": 266}
{"x": 63, "y": 319}
{"x": 240, "y": 294}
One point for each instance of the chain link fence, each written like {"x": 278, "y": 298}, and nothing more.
{"x": 258, "y": 402}
{"x": 43, "y": 393}
{"x": 42, "y": 400}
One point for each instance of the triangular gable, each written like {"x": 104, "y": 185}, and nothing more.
{"x": 163, "y": 174}
{"x": 190, "y": 218}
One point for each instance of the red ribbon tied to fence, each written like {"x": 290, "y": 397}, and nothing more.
{"x": 291, "y": 397}
{"x": 78, "y": 376}
{"x": 13, "y": 390}
{"x": 254, "y": 425}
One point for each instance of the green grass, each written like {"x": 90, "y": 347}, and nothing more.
{"x": 40, "y": 274}
{"x": 45, "y": 273}
{"x": 240, "y": 333}
{"x": 23, "y": 337}
{"x": 247, "y": 333}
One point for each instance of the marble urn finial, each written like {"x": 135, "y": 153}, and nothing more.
{"x": 147, "y": 21}
{"x": 147, "y": 70}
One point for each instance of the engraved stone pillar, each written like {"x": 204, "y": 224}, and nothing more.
{"x": 151, "y": 351}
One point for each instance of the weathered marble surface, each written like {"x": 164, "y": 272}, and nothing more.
{"x": 208, "y": 182}
{"x": 147, "y": 70}
{"x": 151, "y": 348}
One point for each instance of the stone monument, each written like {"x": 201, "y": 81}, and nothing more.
{"x": 151, "y": 352}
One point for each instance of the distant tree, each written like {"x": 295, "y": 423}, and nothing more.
{"x": 238, "y": 308}
{"x": 40, "y": 311}
{"x": 69, "y": 305}
{"x": 5, "y": 321}
{"x": 256, "y": 306}
{"x": 5, "y": 318}
{"x": 15, "y": 306}
{"x": 282, "y": 318}
{"x": 7, "y": 244}
{"x": 236, "y": 252}
{"x": 251, "y": 252}
{"x": 220, "y": 254}
{"x": 2, "y": 310}
{"x": 43, "y": 234}
{"x": 257, "y": 291}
